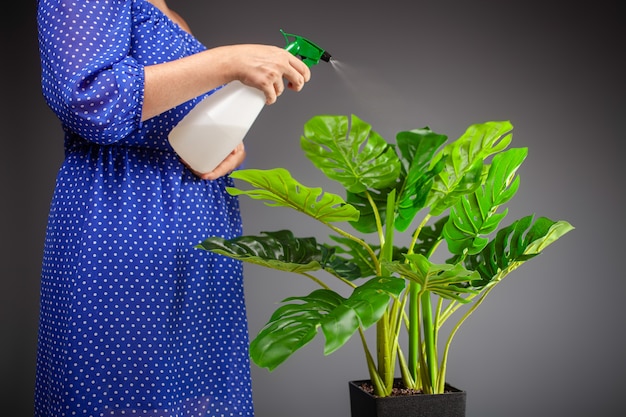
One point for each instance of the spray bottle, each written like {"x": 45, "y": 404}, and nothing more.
{"x": 216, "y": 125}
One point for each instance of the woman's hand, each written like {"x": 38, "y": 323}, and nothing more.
{"x": 228, "y": 165}
{"x": 266, "y": 68}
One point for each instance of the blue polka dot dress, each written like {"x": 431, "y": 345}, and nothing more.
{"x": 133, "y": 319}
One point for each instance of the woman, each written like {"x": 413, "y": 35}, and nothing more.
{"x": 133, "y": 320}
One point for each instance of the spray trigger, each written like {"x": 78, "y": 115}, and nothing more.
{"x": 304, "y": 49}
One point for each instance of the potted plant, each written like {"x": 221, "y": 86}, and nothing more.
{"x": 454, "y": 256}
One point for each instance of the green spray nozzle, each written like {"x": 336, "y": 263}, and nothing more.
{"x": 304, "y": 49}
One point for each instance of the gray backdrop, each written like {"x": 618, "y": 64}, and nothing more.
{"x": 550, "y": 340}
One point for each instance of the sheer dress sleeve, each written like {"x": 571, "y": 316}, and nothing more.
{"x": 89, "y": 77}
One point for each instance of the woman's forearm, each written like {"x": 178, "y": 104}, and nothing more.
{"x": 172, "y": 83}
{"x": 264, "y": 67}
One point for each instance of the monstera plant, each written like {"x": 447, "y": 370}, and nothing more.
{"x": 453, "y": 256}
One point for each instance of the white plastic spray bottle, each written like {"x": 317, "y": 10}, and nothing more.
{"x": 216, "y": 125}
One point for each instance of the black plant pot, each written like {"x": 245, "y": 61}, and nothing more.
{"x": 364, "y": 404}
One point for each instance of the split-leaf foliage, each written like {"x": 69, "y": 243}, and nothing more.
{"x": 459, "y": 188}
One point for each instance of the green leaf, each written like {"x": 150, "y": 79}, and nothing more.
{"x": 367, "y": 220}
{"x": 350, "y": 152}
{"x": 445, "y": 280}
{"x": 514, "y": 245}
{"x": 364, "y": 307}
{"x": 294, "y": 324}
{"x": 429, "y": 237}
{"x": 339, "y": 266}
{"x": 463, "y": 170}
{"x": 291, "y": 327}
{"x": 279, "y": 188}
{"x": 413, "y": 185}
{"x": 278, "y": 250}
{"x": 474, "y": 216}
{"x": 357, "y": 253}
{"x": 417, "y": 148}
{"x": 282, "y": 251}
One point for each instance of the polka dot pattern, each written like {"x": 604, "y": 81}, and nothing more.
{"x": 133, "y": 319}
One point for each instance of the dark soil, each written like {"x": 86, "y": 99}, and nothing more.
{"x": 397, "y": 390}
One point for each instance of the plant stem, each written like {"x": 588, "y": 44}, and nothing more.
{"x": 322, "y": 283}
{"x": 386, "y": 334}
{"x": 385, "y": 368}
{"x": 405, "y": 372}
{"x": 423, "y": 379}
{"x": 429, "y": 338}
{"x": 417, "y": 233}
{"x": 413, "y": 332}
{"x": 379, "y": 224}
{"x": 413, "y": 328}
{"x": 377, "y": 382}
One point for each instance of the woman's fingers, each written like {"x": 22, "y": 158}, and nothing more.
{"x": 228, "y": 165}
